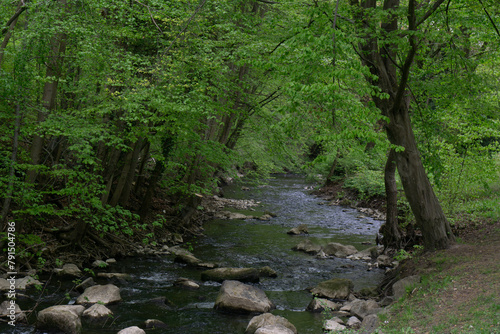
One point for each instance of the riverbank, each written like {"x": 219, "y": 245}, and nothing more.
{"x": 460, "y": 289}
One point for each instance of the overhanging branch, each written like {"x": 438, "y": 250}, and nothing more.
{"x": 489, "y": 17}
{"x": 429, "y": 12}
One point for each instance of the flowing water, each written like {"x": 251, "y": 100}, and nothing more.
{"x": 243, "y": 243}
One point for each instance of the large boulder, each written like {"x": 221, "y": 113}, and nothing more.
{"x": 307, "y": 246}
{"x": 268, "y": 319}
{"x": 18, "y": 284}
{"x": 26, "y": 282}
{"x": 384, "y": 261}
{"x": 103, "y": 294}
{"x": 336, "y": 288}
{"x": 132, "y": 330}
{"x": 233, "y": 215}
{"x": 399, "y": 288}
{"x": 321, "y": 304}
{"x": 360, "y": 308}
{"x": 235, "y": 274}
{"x": 64, "y": 318}
{"x": 369, "y": 324}
{"x": 10, "y": 310}
{"x": 188, "y": 259}
{"x": 97, "y": 314}
{"x": 238, "y": 297}
{"x": 118, "y": 276}
{"x": 339, "y": 250}
{"x": 353, "y": 322}
{"x": 366, "y": 254}
{"x": 191, "y": 260}
{"x": 154, "y": 324}
{"x": 333, "y": 326}
{"x": 178, "y": 250}
{"x": 301, "y": 229}
{"x": 69, "y": 270}
{"x": 186, "y": 283}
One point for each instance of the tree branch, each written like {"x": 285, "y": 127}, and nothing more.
{"x": 409, "y": 58}
{"x": 491, "y": 20}
{"x": 267, "y": 1}
{"x": 13, "y": 18}
{"x": 429, "y": 12}
{"x": 150, "y": 15}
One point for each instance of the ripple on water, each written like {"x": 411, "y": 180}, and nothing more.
{"x": 150, "y": 294}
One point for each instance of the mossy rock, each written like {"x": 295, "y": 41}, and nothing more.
{"x": 336, "y": 288}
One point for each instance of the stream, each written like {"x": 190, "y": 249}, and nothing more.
{"x": 242, "y": 243}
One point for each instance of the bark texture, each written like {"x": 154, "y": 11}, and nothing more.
{"x": 391, "y": 231}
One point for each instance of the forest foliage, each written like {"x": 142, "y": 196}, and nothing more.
{"x": 107, "y": 105}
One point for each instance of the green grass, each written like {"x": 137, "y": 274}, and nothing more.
{"x": 432, "y": 308}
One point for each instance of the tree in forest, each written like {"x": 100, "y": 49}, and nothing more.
{"x": 394, "y": 40}
{"x": 108, "y": 106}
{"x": 388, "y": 47}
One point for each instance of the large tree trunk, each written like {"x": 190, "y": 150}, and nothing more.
{"x": 425, "y": 206}
{"x": 54, "y": 68}
{"x": 124, "y": 197}
{"x": 391, "y": 231}
{"x": 436, "y": 230}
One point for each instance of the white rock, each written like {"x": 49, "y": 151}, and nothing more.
{"x": 69, "y": 270}
{"x": 97, "y": 312}
{"x": 321, "y": 304}
{"x": 132, "y": 330}
{"x": 235, "y": 296}
{"x": 331, "y": 325}
{"x": 65, "y": 318}
{"x": 105, "y": 294}
{"x": 99, "y": 264}
{"x": 354, "y": 322}
{"x": 268, "y": 319}
{"x": 6, "y": 311}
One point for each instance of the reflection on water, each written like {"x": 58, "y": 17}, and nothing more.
{"x": 248, "y": 243}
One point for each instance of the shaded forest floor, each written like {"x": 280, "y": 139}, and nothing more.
{"x": 460, "y": 291}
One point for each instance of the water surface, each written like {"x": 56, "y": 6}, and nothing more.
{"x": 242, "y": 243}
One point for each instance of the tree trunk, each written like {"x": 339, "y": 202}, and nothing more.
{"x": 167, "y": 144}
{"x": 429, "y": 216}
{"x": 328, "y": 181}
{"x": 424, "y": 204}
{"x": 131, "y": 173}
{"x": 391, "y": 231}
{"x": 140, "y": 175}
{"x": 148, "y": 196}
{"x": 122, "y": 180}
{"x": 109, "y": 174}
{"x": 54, "y": 68}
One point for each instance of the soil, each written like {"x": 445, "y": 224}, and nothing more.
{"x": 473, "y": 264}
